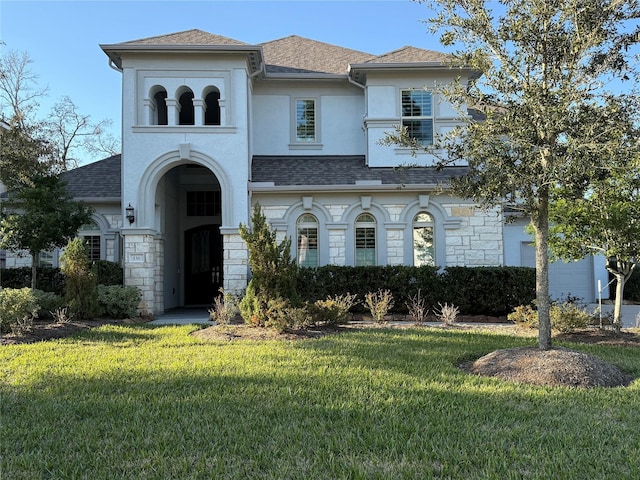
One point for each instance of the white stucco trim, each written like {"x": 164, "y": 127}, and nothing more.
{"x": 146, "y": 194}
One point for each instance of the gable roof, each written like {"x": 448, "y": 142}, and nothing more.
{"x": 98, "y": 181}
{"x": 349, "y": 172}
{"x": 294, "y": 54}
{"x": 187, "y": 37}
{"x": 409, "y": 54}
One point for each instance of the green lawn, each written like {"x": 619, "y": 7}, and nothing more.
{"x": 140, "y": 402}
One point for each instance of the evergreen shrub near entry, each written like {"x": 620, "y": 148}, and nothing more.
{"x": 475, "y": 290}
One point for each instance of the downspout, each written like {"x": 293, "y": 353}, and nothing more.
{"x": 366, "y": 114}
{"x": 113, "y": 65}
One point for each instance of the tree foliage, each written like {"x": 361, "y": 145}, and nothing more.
{"x": 543, "y": 64}
{"x": 68, "y": 133}
{"x": 606, "y": 219}
{"x": 272, "y": 268}
{"x": 41, "y": 217}
{"x": 80, "y": 281}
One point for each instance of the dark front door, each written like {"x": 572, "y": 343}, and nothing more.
{"x": 203, "y": 264}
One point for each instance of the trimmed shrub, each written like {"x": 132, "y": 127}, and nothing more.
{"x": 80, "y": 281}
{"x": 18, "y": 307}
{"x": 475, "y": 290}
{"x": 631, "y": 287}
{"x": 49, "y": 279}
{"x": 107, "y": 273}
{"x": 565, "y": 317}
{"x": 115, "y": 301}
{"x": 334, "y": 310}
{"x": 48, "y": 302}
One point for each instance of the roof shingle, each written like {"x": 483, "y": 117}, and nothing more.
{"x": 188, "y": 37}
{"x": 100, "y": 179}
{"x": 342, "y": 170}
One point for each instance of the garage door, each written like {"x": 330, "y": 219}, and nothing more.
{"x": 573, "y": 278}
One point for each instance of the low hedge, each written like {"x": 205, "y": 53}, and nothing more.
{"x": 631, "y": 287}
{"x": 475, "y": 290}
{"x": 51, "y": 279}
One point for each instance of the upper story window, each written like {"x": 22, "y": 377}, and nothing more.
{"x": 417, "y": 115}
{"x": 186, "y": 115}
{"x": 423, "y": 249}
{"x": 307, "y": 240}
{"x": 160, "y": 112}
{"x": 212, "y": 108}
{"x": 306, "y": 120}
{"x": 365, "y": 240}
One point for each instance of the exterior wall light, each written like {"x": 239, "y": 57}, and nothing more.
{"x": 130, "y": 216}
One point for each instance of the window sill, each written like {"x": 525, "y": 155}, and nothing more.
{"x": 305, "y": 146}
{"x": 183, "y": 129}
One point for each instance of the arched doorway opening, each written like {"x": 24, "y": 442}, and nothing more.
{"x": 189, "y": 200}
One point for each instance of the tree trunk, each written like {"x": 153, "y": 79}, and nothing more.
{"x": 35, "y": 263}
{"x": 622, "y": 273}
{"x": 541, "y": 227}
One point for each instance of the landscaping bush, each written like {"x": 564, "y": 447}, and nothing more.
{"x": 565, "y": 317}
{"x": 48, "y": 302}
{"x": 631, "y": 287}
{"x": 18, "y": 306}
{"x": 334, "y": 310}
{"x": 115, "y": 301}
{"x": 107, "y": 273}
{"x": 80, "y": 281}
{"x": 48, "y": 279}
{"x": 475, "y": 290}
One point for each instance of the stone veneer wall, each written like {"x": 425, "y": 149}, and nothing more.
{"x": 143, "y": 269}
{"x": 236, "y": 261}
{"x": 478, "y": 241}
{"x": 473, "y": 236}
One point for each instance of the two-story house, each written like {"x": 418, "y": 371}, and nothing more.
{"x": 212, "y": 125}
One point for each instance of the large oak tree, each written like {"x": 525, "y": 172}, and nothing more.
{"x": 542, "y": 63}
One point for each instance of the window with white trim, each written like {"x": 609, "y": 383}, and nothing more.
{"x": 365, "y": 240}
{"x": 417, "y": 115}
{"x": 90, "y": 234}
{"x": 423, "y": 249}
{"x": 307, "y": 240}
{"x": 306, "y": 120}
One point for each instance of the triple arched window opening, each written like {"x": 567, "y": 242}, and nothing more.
{"x": 185, "y": 104}
{"x": 365, "y": 241}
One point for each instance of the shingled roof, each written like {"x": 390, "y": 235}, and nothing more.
{"x": 342, "y": 170}
{"x": 287, "y": 55}
{"x": 188, "y": 37}
{"x": 98, "y": 180}
{"x": 294, "y": 54}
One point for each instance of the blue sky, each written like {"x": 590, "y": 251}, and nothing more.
{"x": 63, "y": 37}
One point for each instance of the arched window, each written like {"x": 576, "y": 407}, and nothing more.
{"x": 365, "y": 240}
{"x": 90, "y": 233}
{"x": 160, "y": 113}
{"x": 186, "y": 108}
{"x": 307, "y": 240}
{"x": 212, "y": 107}
{"x": 423, "y": 249}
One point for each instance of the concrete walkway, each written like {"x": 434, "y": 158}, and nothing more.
{"x": 183, "y": 316}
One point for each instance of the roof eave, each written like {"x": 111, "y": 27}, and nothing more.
{"x": 270, "y": 187}
{"x": 253, "y": 52}
{"x": 305, "y": 76}
{"x": 358, "y": 71}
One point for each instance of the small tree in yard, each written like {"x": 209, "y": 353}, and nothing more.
{"x": 40, "y": 217}
{"x": 543, "y": 62}
{"x": 272, "y": 268}
{"x": 80, "y": 281}
{"x": 606, "y": 219}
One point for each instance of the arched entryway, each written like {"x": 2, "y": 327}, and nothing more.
{"x": 189, "y": 199}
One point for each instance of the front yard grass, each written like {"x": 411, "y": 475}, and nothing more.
{"x": 143, "y": 402}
